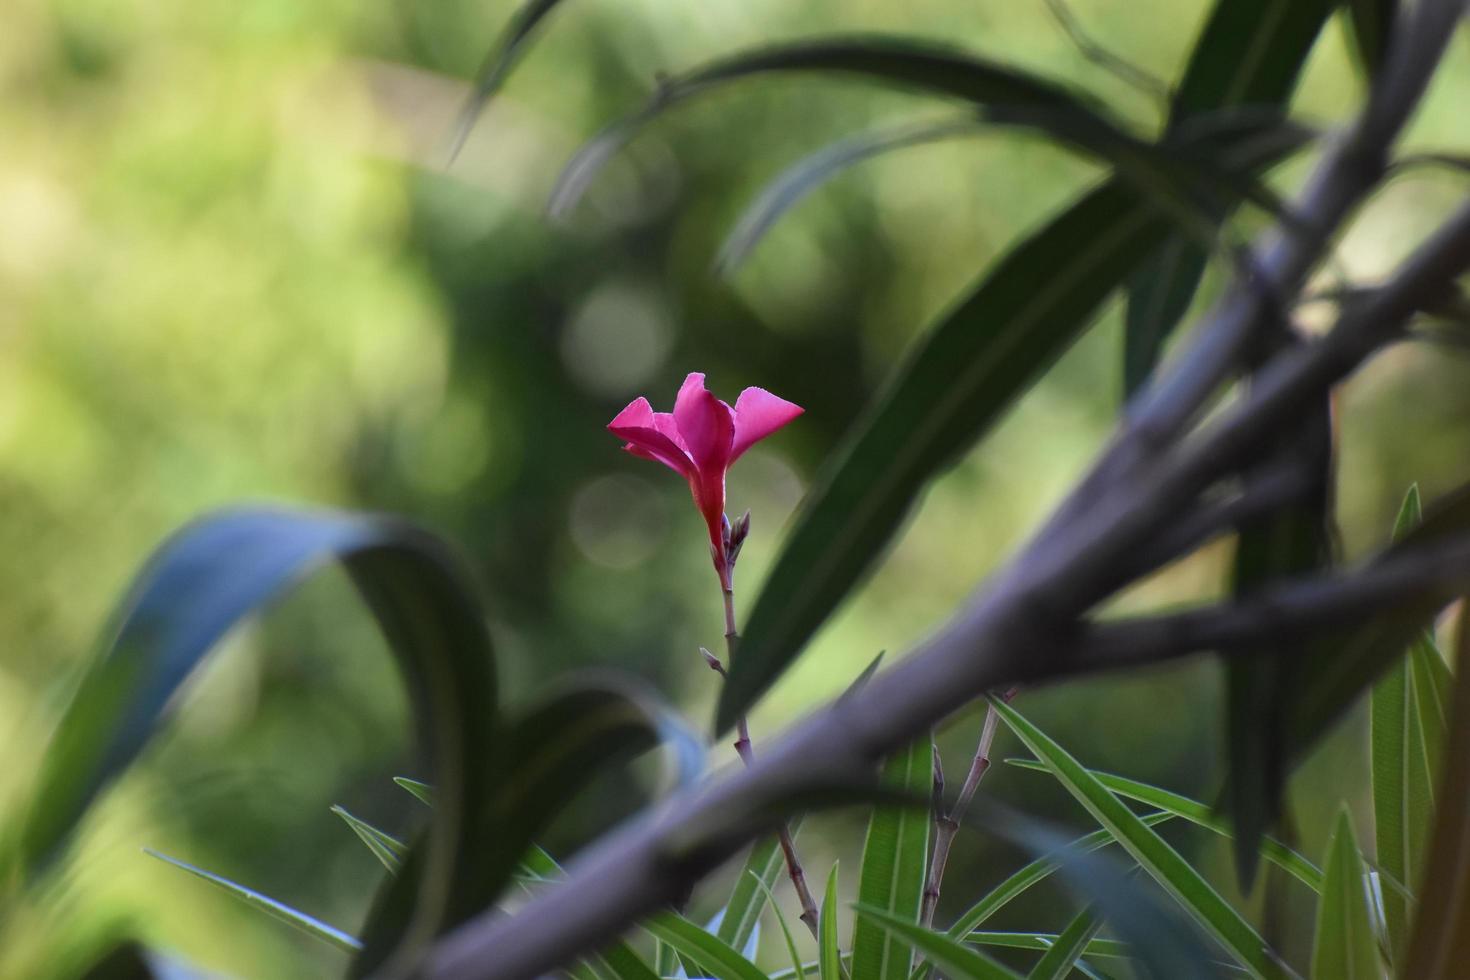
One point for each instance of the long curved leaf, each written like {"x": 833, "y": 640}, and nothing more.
{"x": 895, "y": 862}
{"x": 798, "y": 969}
{"x": 961, "y": 378}
{"x": 223, "y": 567}
{"x": 280, "y": 911}
{"x": 497, "y": 67}
{"x": 1198, "y": 814}
{"x": 749, "y": 896}
{"x": 1345, "y": 947}
{"x": 829, "y": 963}
{"x": 1151, "y": 851}
{"x": 388, "y": 849}
{"x": 954, "y": 958}
{"x": 705, "y": 948}
{"x": 1062, "y": 955}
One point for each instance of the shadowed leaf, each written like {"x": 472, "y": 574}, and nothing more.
{"x": 895, "y": 863}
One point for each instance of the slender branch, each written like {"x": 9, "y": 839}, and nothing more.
{"x": 947, "y": 823}
{"x": 1024, "y": 626}
{"x": 794, "y": 870}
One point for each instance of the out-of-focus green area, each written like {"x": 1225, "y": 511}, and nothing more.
{"x": 234, "y": 264}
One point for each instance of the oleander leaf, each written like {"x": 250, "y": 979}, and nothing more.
{"x": 1345, "y": 947}
{"x": 895, "y": 864}
{"x": 388, "y": 849}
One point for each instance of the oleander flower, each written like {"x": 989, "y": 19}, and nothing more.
{"x": 700, "y": 440}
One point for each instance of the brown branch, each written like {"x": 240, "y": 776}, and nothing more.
{"x": 1024, "y": 626}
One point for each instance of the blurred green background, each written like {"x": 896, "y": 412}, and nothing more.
{"x": 235, "y": 265}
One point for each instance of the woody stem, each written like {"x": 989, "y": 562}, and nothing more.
{"x": 743, "y": 747}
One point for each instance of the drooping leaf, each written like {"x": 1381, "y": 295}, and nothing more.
{"x": 957, "y": 384}
{"x": 1062, "y": 955}
{"x": 216, "y": 571}
{"x": 277, "y": 910}
{"x": 1159, "y": 860}
{"x": 829, "y": 962}
{"x": 953, "y": 958}
{"x": 388, "y": 849}
{"x": 497, "y": 66}
{"x": 705, "y": 948}
{"x": 798, "y": 970}
{"x": 748, "y": 897}
{"x": 895, "y": 864}
{"x": 1249, "y": 55}
{"x": 1439, "y": 945}
{"x": 1199, "y": 814}
{"x": 1346, "y": 947}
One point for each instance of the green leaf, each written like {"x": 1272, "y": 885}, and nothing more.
{"x": 953, "y": 958}
{"x": 1153, "y": 854}
{"x": 1100, "y": 948}
{"x": 1439, "y": 946}
{"x": 1249, "y": 55}
{"x": 1062, "y": 955}
{"x": 497, "y": 67}
{"x": 957, "y": 384}
{"x": 217, "y": 570}
{"x": 713, "y": 955}
{"x": 277, "y": 910}
{"x": 748, "y": 896}
{"x": 387, "y": 849}
{"x": 1371, "y": 23}
{"x": 829, "y": 961}
{"x": 895, "y": 863}
{"x": 798, "y": 970}
{"x": 1346, "y": 947}
{"x": 422, "y": 792}
{"x": 1199, "y": 814}
{"x": 1034, "y": 873}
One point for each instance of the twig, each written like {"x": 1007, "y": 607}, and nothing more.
{"x": 947, "y": 823}
{"x": 794, "y": 870}
{"x": 1024, "y": 626}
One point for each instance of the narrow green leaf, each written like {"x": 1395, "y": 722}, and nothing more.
{"x": 277, "y": 910}
{"x": 1100, "y": 948}
{"x": 798, "y": 970}
{"x": 1153, "y": 854}
{"x": 1346, "y": 947}
{"x": 953, "y": 958}
{"x": 1062, "y": 955}
{"x": 1439, "y": 946}
{"x": 743, "y": 910}
{"x": 387, "y": 849}
{"x": 1199, "y": 814}
{"x": 621, "y": 963}
{"x": 666, "y": 959}
{"x": 722, "y": 962}
{"x": 423, "y": 792}
{"x": 957, "y": 384}
{"x": 1032, "y": 874}
{"x": 497, "y": 67}
{"x": 829, "y": 962}
{"x": 895, "y": 863}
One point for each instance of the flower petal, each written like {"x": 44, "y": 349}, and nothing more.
{"x": 707, "y": 426}
{"x": 638, "y": 426}
{"x": 758, "y": 413}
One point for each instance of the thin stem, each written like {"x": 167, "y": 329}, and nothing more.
{"x": 794, "y": 870}
{"x": 947, "y": 824}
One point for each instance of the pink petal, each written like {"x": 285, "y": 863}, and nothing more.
{"x": 707, "y": 427}
{"x": 638, "y": 426}
{"x": 758, "y": 413}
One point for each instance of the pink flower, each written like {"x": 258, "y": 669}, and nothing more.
{"x": 700, "y": 440}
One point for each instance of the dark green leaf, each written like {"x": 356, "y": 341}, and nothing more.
{"x": 961, "y": 378}
{"x": 1439, "y": 946}
{"x": 954, "y": 958}
{"x": 1199, "y": 814}
{"x": 1063, "y": 954}
{"x": 1153, "y": 854}
{"x": 497, "y": 67}
{"x": 387, "y": 849}
{"x": 1346, "y": 947}
{"x": 895, "y": 863}
{"x": 423, "y": 792}
{"x": 276, "y": 910}
{"x": 1371, "y": 22}
{"x": 1249, "y": 55}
